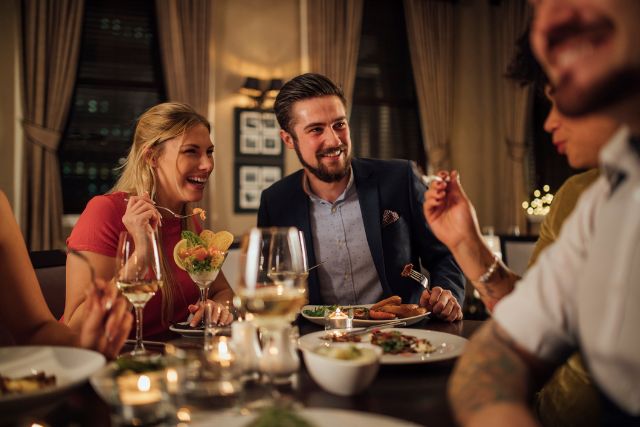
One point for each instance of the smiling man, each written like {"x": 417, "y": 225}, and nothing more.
{"x": 582, "y": 292}
{"x": 361, "y": 218}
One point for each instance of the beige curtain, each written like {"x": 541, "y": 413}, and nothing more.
{"x": 334, "y": 38}
{"x": 512, "y": 18}
{"x": 50, "y": 45}
{"x": 183, "y": 28}
{"x": 431, "y": 44}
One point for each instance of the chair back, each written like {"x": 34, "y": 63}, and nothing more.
{"x": 516, "y": 252}
{"x": 50, "y": 268}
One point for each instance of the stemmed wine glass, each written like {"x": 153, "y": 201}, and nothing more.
{"x": 272, "y": 289}
{"x": 205, "y": 277}
{"x": 138, "y": 274}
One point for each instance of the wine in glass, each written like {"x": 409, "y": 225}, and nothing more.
{"x": 138, "y": 275}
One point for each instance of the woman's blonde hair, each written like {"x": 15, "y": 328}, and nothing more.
{"x": 154, "y": 127}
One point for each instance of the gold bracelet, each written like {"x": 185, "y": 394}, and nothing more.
{"x": 492, "y": 269}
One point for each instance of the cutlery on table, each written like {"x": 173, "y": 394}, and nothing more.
{"x": 316, "y": 266}
{"x": 392, "y": 324}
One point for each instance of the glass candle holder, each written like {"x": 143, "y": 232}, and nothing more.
{"x": 338, "y": 319}
{"x": 134, "y": 398}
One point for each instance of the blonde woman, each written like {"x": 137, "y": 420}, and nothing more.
{"x": 169, "y": 164}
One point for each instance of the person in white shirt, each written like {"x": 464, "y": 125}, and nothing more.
{"x": 582, "y": 291}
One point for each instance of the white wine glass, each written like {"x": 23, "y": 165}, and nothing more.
{"x": 271, "y": 290}
{"x": 138, "y": 275}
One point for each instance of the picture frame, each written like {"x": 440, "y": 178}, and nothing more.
{"x": 249, "y": 199}
{"x": 250, "y": 177}
{"x": 269, "y": 175}
{"x": 271, "y": 144}
{"x": 250, "y": 143}
{"x": 251, "y": 121}
{"x": 251, "y": 180}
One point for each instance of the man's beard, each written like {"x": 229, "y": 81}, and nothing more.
{"x": 606, "y": 93}
{"x": 321, "y": 171}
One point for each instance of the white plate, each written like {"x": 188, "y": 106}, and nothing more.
{"x": 71, "y": 366}
{"x": 316, "y": 416}
{"x": 448, "y": 346}
{"x": 358, "y": 322}
{"x": 185, "y": 330}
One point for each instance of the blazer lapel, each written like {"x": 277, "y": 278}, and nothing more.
{"x": 369, "y": 198}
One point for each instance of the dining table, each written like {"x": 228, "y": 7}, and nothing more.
{"x": 414, "y": 392}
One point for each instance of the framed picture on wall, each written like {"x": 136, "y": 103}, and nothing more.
{"x": 269, "y": 123}
{"x": 250, "y": 143}
{"x": 271, "y": 144}
{"x": 251, "y": 180}
{"x": 251, "y": 122}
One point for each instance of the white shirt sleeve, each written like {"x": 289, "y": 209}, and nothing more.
{"x": 541, "y": 313}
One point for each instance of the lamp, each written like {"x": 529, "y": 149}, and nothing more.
{"x": 252, "y": 88}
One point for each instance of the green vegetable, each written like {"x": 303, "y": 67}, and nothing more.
{"x": 281, "y": 417}
{"x": 192, "y": 239}
{"x": 319, "y": 310}
{"x": 200, "y": 266}
{"x": 138, "y": 366}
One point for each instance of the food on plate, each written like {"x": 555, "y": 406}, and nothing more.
{"x": 340, "y": 336}
{"x": 27, "y": 384}
{"x": 138, "y": 366}
{"x": 388, "y": 309}
{"x": 395, "y": 342}
{"x": 202, "y": 253}
{"x": 392, "y": 300}
{"x": 350, "y": 352}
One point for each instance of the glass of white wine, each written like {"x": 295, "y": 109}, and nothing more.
{"x": 271, "y": 290}
{"x": 138, "y": 275}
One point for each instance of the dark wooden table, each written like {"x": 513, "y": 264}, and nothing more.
{"x": 414, "y": 392}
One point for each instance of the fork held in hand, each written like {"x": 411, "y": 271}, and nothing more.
{"x": 408, "y": 271}
{"x": 169, "y": 211}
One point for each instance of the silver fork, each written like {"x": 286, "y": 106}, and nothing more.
{"x": 416, "y": 275}
{"x": 175, "y": 215}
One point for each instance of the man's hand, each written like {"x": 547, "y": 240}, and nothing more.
{"x": 449, "y": 212}
{"x": 441, "y": 303}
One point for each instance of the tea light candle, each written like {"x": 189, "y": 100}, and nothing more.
{"x": 338, "y": 320}
{"x": 221, "y": 354}
{"x": 137, "y": 390}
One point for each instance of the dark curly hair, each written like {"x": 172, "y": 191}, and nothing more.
{"x": 524, "y": 69}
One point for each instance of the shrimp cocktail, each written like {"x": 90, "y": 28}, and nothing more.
{"x": 202, "y": 256}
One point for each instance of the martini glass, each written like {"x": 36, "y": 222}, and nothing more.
{"x": 205, "y": 277}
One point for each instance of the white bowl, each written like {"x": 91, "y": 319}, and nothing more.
{"x": 343, "y": 377}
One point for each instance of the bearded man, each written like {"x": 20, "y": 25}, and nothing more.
{"x": 362, "y": 218}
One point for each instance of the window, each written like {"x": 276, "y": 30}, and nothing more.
{"x": 119, "y": 76}
{"x": 384, "y": 119}
{"x": 549, "y": 167}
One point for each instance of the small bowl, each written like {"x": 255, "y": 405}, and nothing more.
{"x": 339, "y": 376}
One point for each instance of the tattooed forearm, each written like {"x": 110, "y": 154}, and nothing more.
{"x": 501, "y": 283}
{"x": 490, "y": 372}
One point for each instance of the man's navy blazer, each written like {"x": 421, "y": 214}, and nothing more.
{"x": 381, "y": 185}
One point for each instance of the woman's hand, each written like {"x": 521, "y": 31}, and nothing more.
{"x": 220, "y": 314}
{"x": 108, "y": 321}
{"x": 141, "y": 215}
{"x": 450, "y": 214}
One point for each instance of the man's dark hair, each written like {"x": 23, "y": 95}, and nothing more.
{"x": 524, "y": 68}
{"x": 299, "y": 88}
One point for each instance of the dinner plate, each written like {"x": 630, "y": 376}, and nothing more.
{"x": 71, "y": 367}
{"x": 315, "y": 416}
{"x": 184, "y": 329}
{"x": 358, "y": 322}
{"x": 448, "y": 346}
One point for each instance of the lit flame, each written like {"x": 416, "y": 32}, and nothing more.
{"x": 144, "y": 383}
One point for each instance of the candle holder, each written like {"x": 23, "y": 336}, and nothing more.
{"x": 135, "y": 398}
{"x": 339, "y": 318}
